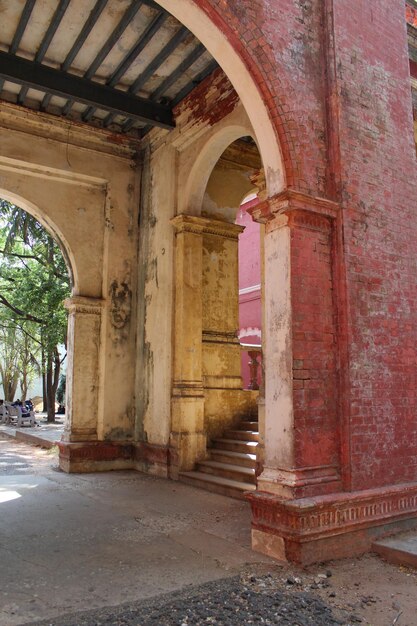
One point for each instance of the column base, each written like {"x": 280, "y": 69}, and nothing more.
{"x": 185, "y": 450}
{"x": 95, "y": 456}
{"x": 101, "y": 456}
{"x": 338, "y": 525}
{"x": 301, "y": 482}
{"x": 73, "y": 435}
{"x": 152, "y": 459}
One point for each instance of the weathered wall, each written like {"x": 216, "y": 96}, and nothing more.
{"x": 281, "y": 43}
{"x": 84, "y": 188}
{"x": 177, "y": 168}
{"x": 378, "y": 176}
{"x": 336, "y": 80}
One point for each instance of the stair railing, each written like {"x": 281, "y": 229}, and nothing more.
{"x": 254, "y": 352}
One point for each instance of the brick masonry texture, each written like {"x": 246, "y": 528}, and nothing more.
{"x": 336, "y": 79}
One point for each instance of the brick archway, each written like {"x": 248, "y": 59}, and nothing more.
{"x": 204, "y": 21}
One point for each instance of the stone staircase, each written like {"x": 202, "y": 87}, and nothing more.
{"x": 230, "y": 466}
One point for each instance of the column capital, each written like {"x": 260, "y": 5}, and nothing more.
{"x": 204, "y": 225}
{"x": 188, "y": 223}
{"x": 84, "y": 305}
{"x": 281, "y": 206}
{"x": 259, "y": 180}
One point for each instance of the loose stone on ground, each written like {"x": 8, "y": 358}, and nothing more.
{"x": 236, "y": 601}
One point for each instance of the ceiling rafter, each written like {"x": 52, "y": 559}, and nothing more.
{"x": 162, "y": 56}
{"x": 78, "y": 43}
{"x": 50, "y": 32}
{"x": 108, "y": 45}
{"x": 150, "y": 31}
{"x": 172, "y": 78}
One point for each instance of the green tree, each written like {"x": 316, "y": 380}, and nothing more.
{"x": 34, "y": 281}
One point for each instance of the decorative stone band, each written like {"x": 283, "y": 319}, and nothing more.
{"x": 95, "y": 451}
{"x": 295, "y": 208}
{"x": 302, "y": 479}
{"x": 217, "y": 336}
{"x": 188, "y": 389}
{"x": 75, "y": 434}
{"x": 84, "y": 305}
{"x": 321, "y": 516}
{"x": 206, "y": 226}
{"x": 39, "y": 124}
{"x": 91, "y": 456}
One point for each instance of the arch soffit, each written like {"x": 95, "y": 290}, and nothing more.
{"x": 56, "y": 233}
{"x": 216, "y": 42}
{"x": 209, "y": 153}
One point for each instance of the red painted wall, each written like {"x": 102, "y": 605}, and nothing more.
{"x": 336, "y": 78}
{"x": 378, "y": 174}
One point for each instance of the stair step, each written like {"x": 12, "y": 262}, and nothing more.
{"x": 235, "y": 446}
{"x": 246, "y": 425}
{"x": 228, "y": 470}
{"x": 239, "y": 435}
{"x": 224, "y": 486}
{"x": 244, "y": 459}
{"x": 400, "y": 549}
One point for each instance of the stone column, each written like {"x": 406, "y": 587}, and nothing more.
{"x": 84, "y": 325}
{"x": 187, "y": 439}
{"x": 222, "y": 381}
{"x": 302, "y": 445}
{"x": 302, "y": 429}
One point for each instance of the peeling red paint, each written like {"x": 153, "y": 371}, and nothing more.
{"x": 411, "y": 15}
{"x": 210, "y": 101}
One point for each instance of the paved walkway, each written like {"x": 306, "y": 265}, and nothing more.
{"x": 124, "y": 548}
{"x": 44, "y": 434}
{"x": 72, "y": 542}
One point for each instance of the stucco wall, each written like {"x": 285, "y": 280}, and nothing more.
{"x": 84, "y": 189}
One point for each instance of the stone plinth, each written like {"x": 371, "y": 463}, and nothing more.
{"x": 308, "y": 530}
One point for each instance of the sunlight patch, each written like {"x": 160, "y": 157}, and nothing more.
{"x": 6, "y": 496}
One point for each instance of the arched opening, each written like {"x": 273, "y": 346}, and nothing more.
{"x": 219, "y": 45}
{"x": 226, "y": 447}
{"x": 250, "y": 294}
{"x": 35, "y": 279}
{"x": 181, "y": 186}
{"x": 154, "y": 385}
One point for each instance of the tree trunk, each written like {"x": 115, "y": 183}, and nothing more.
{"x": 10, "y": 386}
{"x": 52, "y": 379}
{"x": 44, "y": 389}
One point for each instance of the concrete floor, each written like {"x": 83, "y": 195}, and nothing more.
{"x": 76, "y": 542}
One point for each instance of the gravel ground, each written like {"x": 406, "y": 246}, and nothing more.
{"x": 238, "y": 601}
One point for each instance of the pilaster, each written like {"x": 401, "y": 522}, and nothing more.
{"x": 187, "y": 439}
{"x": 83, "y": 381}
{"x": 302, "y": 446}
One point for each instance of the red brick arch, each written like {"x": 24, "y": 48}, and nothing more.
{"x": 237, "y": 22}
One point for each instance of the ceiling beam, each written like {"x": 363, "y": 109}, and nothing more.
{"x": 44, "y": 78}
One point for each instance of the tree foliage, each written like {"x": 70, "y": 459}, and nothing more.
{"x": 34, "y": 281}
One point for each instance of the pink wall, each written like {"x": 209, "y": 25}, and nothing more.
{"x": 249, "y": 285}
